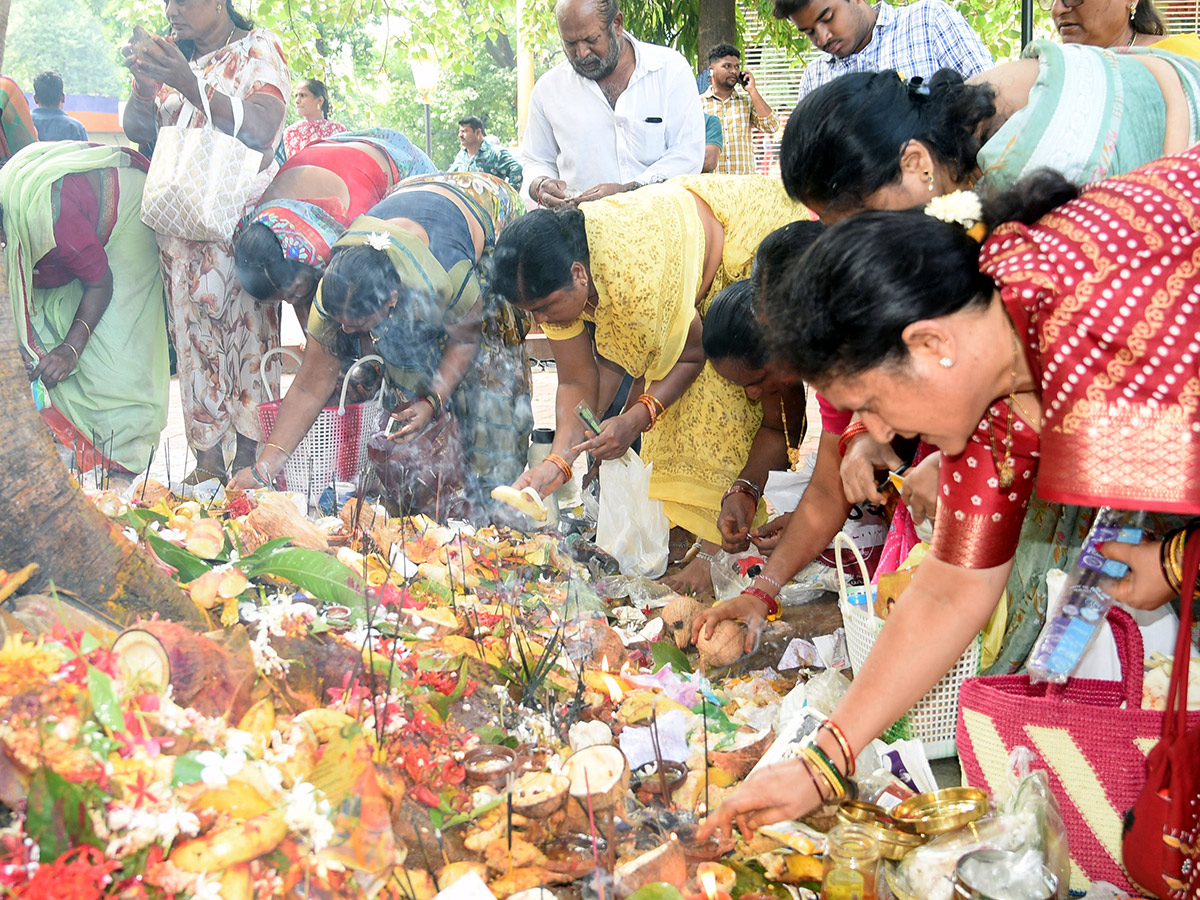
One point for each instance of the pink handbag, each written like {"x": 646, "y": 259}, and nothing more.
{"x": 1092, "y": 737}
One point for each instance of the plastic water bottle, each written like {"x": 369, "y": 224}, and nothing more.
{"x": 1074, "y": 617}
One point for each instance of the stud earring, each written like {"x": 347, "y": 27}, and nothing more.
{"x": 929, "y": 178}
{"x": 945, "y": 362}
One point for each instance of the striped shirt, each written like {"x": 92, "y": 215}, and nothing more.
{"x": 915, "y": 40}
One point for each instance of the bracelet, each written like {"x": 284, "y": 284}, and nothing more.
{"x": 85, "y": 325}
{"x": 537, "y": 188}
{"x": 750, "y": 484}
{"x": 434, "y": 401}
{"x": 276, "y": 446}
{"x": 1166, "y": 560}
{"x": 71, "y": 347}
{"x": 816, "y": 786}
{"x": 707, "y": 557}
{"x": 645, "y": 400}
{"x": 825, "y": 769}
{"x": 562, "y": 465}
{"x": 133, "y": 89}
{"x": 769, "y": 580}
{"x": 661, "y": 409}
{"x": 843, "y": 744}
{"x": 853, "y": 430}
{"x": 258, "y": 476}
{"x": 739, "y": 489}
{"x": 772, "y": 604}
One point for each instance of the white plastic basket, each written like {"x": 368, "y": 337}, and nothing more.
{"x": 932, "y": 721}
{"x": 335, "y": 447}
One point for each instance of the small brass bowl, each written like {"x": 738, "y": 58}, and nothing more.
{"x": 940, "y": 811}
{"x": 893, "y": 843}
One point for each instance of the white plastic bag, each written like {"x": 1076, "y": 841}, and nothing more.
{"x": 631, "y": 526}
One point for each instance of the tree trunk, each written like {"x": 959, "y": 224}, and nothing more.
{"x": 45, "y": 519}
{"x": 717, "y": 25}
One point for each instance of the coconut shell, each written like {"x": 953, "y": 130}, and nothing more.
{"x": 739, "y": 761}
{"x": 601, "y": 771}
{"x": 595, "y": 644}
{"x": 724, "y": 647}
{"x": 538, "y": 794}
{"x": 665, "y": 862}
{"x": 276, "y": 517}
{"x": 678, "y": 616}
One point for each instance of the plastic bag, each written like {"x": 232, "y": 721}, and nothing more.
{"x": 732, "y": 573}
{"x": 631, "y": 526}
{"x": 1028, "y": 819}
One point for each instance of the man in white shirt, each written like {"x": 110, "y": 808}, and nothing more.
{"x": 619, "y": 113}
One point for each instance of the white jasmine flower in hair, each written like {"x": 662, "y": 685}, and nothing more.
{"x": 378, "y": 241}
{"x": 961, "y": 207}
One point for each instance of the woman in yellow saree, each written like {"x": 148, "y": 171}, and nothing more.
{"x": 642, "y": 267}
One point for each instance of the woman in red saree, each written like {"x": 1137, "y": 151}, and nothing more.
{"x": 1062, "y": 356}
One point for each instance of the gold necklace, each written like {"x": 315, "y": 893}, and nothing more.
{"x": 793, "y": 453}
{"x": 1004, "y": 469}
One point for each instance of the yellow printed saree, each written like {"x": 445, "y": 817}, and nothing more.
{"x": 646, "y": 250}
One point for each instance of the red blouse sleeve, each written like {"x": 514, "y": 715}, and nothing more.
{"x": 979, "y": 522}
{"x": 79, "y": 251}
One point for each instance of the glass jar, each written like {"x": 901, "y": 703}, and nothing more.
{"x": 851, "y": 864}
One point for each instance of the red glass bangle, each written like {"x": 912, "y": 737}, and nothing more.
{"x": 843, "y": 744}
{"x": 759, "y": 593}
{"x": 853, "y": 430}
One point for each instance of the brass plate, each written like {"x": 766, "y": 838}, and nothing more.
{"x": 940, "y": 811}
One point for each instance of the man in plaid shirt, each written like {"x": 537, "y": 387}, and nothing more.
{"x": 739, "y": 111}
{"x": 915, "y": 40}
{"x": 478, "y": 155}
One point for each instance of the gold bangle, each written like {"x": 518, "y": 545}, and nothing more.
{"x": 276, "y": 446}
{"x": 562, "y": 465}
{"x": 85, "y": 325}
{"x": 822, "y": 769}
{"x": 71, "y": 347}
{"x": 843, "y": 744}
{"x": 661, "y": 409}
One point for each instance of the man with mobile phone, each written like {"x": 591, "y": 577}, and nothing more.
{"x": 739, "y": 111}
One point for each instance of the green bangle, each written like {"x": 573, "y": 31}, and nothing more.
{"x": 828, "y": 770}
{"x": 258, "y": 476}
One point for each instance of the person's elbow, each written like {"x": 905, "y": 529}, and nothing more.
{"x": 712, "y": 156}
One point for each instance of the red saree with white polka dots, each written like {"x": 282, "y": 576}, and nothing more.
{"x": 1105, "y": 293}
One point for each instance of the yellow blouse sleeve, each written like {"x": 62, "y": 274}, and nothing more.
{"x": 562, "y": 332}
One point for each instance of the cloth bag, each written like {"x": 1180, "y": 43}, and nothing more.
{"x": 426, "y": 473}
{"x": 630, "y": 526}
{"x": 1161, "y": 829}
{"x": 1092, "y": 737}
{"x": 200, "y": 179}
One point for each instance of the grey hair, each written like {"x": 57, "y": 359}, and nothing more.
{"x": 608, "y": 9}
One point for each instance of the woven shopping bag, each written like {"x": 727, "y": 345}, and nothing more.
{"x": 200, "y": 179}
{"x": 335, "y": 448}
{"x": 932, "y": 720}
{"x": 1091, "y": 737}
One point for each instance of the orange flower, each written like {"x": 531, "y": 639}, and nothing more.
{"x": 220, "y": 584}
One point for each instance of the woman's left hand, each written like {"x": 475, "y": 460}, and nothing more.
{"x": 158, "y": 59}
{"x": 921, "y": 488}
{"x": 55, "y": 366}
{"x": 616, "y": 435}
{"x": 1144, "y": 586}
{"x": 412, "y": 421}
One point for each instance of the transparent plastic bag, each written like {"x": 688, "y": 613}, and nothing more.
{"x": 630, "y": 526}
{"x": 733, "y": 572}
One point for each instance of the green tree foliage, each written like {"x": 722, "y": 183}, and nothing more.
{"x": 67, "y": 36}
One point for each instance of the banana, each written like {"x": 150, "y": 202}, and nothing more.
{"x": 220, "y": 850}
{"x": 325, "y": 723}
{"x": 526, "y": 500}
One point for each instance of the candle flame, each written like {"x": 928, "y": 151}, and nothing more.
{"x": 708, "y": 883}
{"x": 604, "y": 663}
{"x": 613, "y": 687}
{"x": 701, "y": 809}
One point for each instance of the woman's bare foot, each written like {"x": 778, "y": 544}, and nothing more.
{"x": 679, "y": 542}
{"x": 694, "y": 578}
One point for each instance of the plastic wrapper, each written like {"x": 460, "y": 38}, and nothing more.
{"x": 825, "y": 691}
{"x": 1028, "y": 819}
{"x": 732, "y": 573}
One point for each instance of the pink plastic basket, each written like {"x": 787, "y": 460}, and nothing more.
{"x": 335, "y": 447}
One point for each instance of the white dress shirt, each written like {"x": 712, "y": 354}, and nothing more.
{"x": 655, "y": 132}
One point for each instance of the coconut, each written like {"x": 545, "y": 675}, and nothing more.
{"x": 748, "y": 748}
{"x": 678, "y": 616}
{"x": 665, "y": 862}
{"x": 601, "y": 771}
{"x": 594, "y": 643}
{"x": 724, "y": 647}
{"x": 538, "y": 794}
